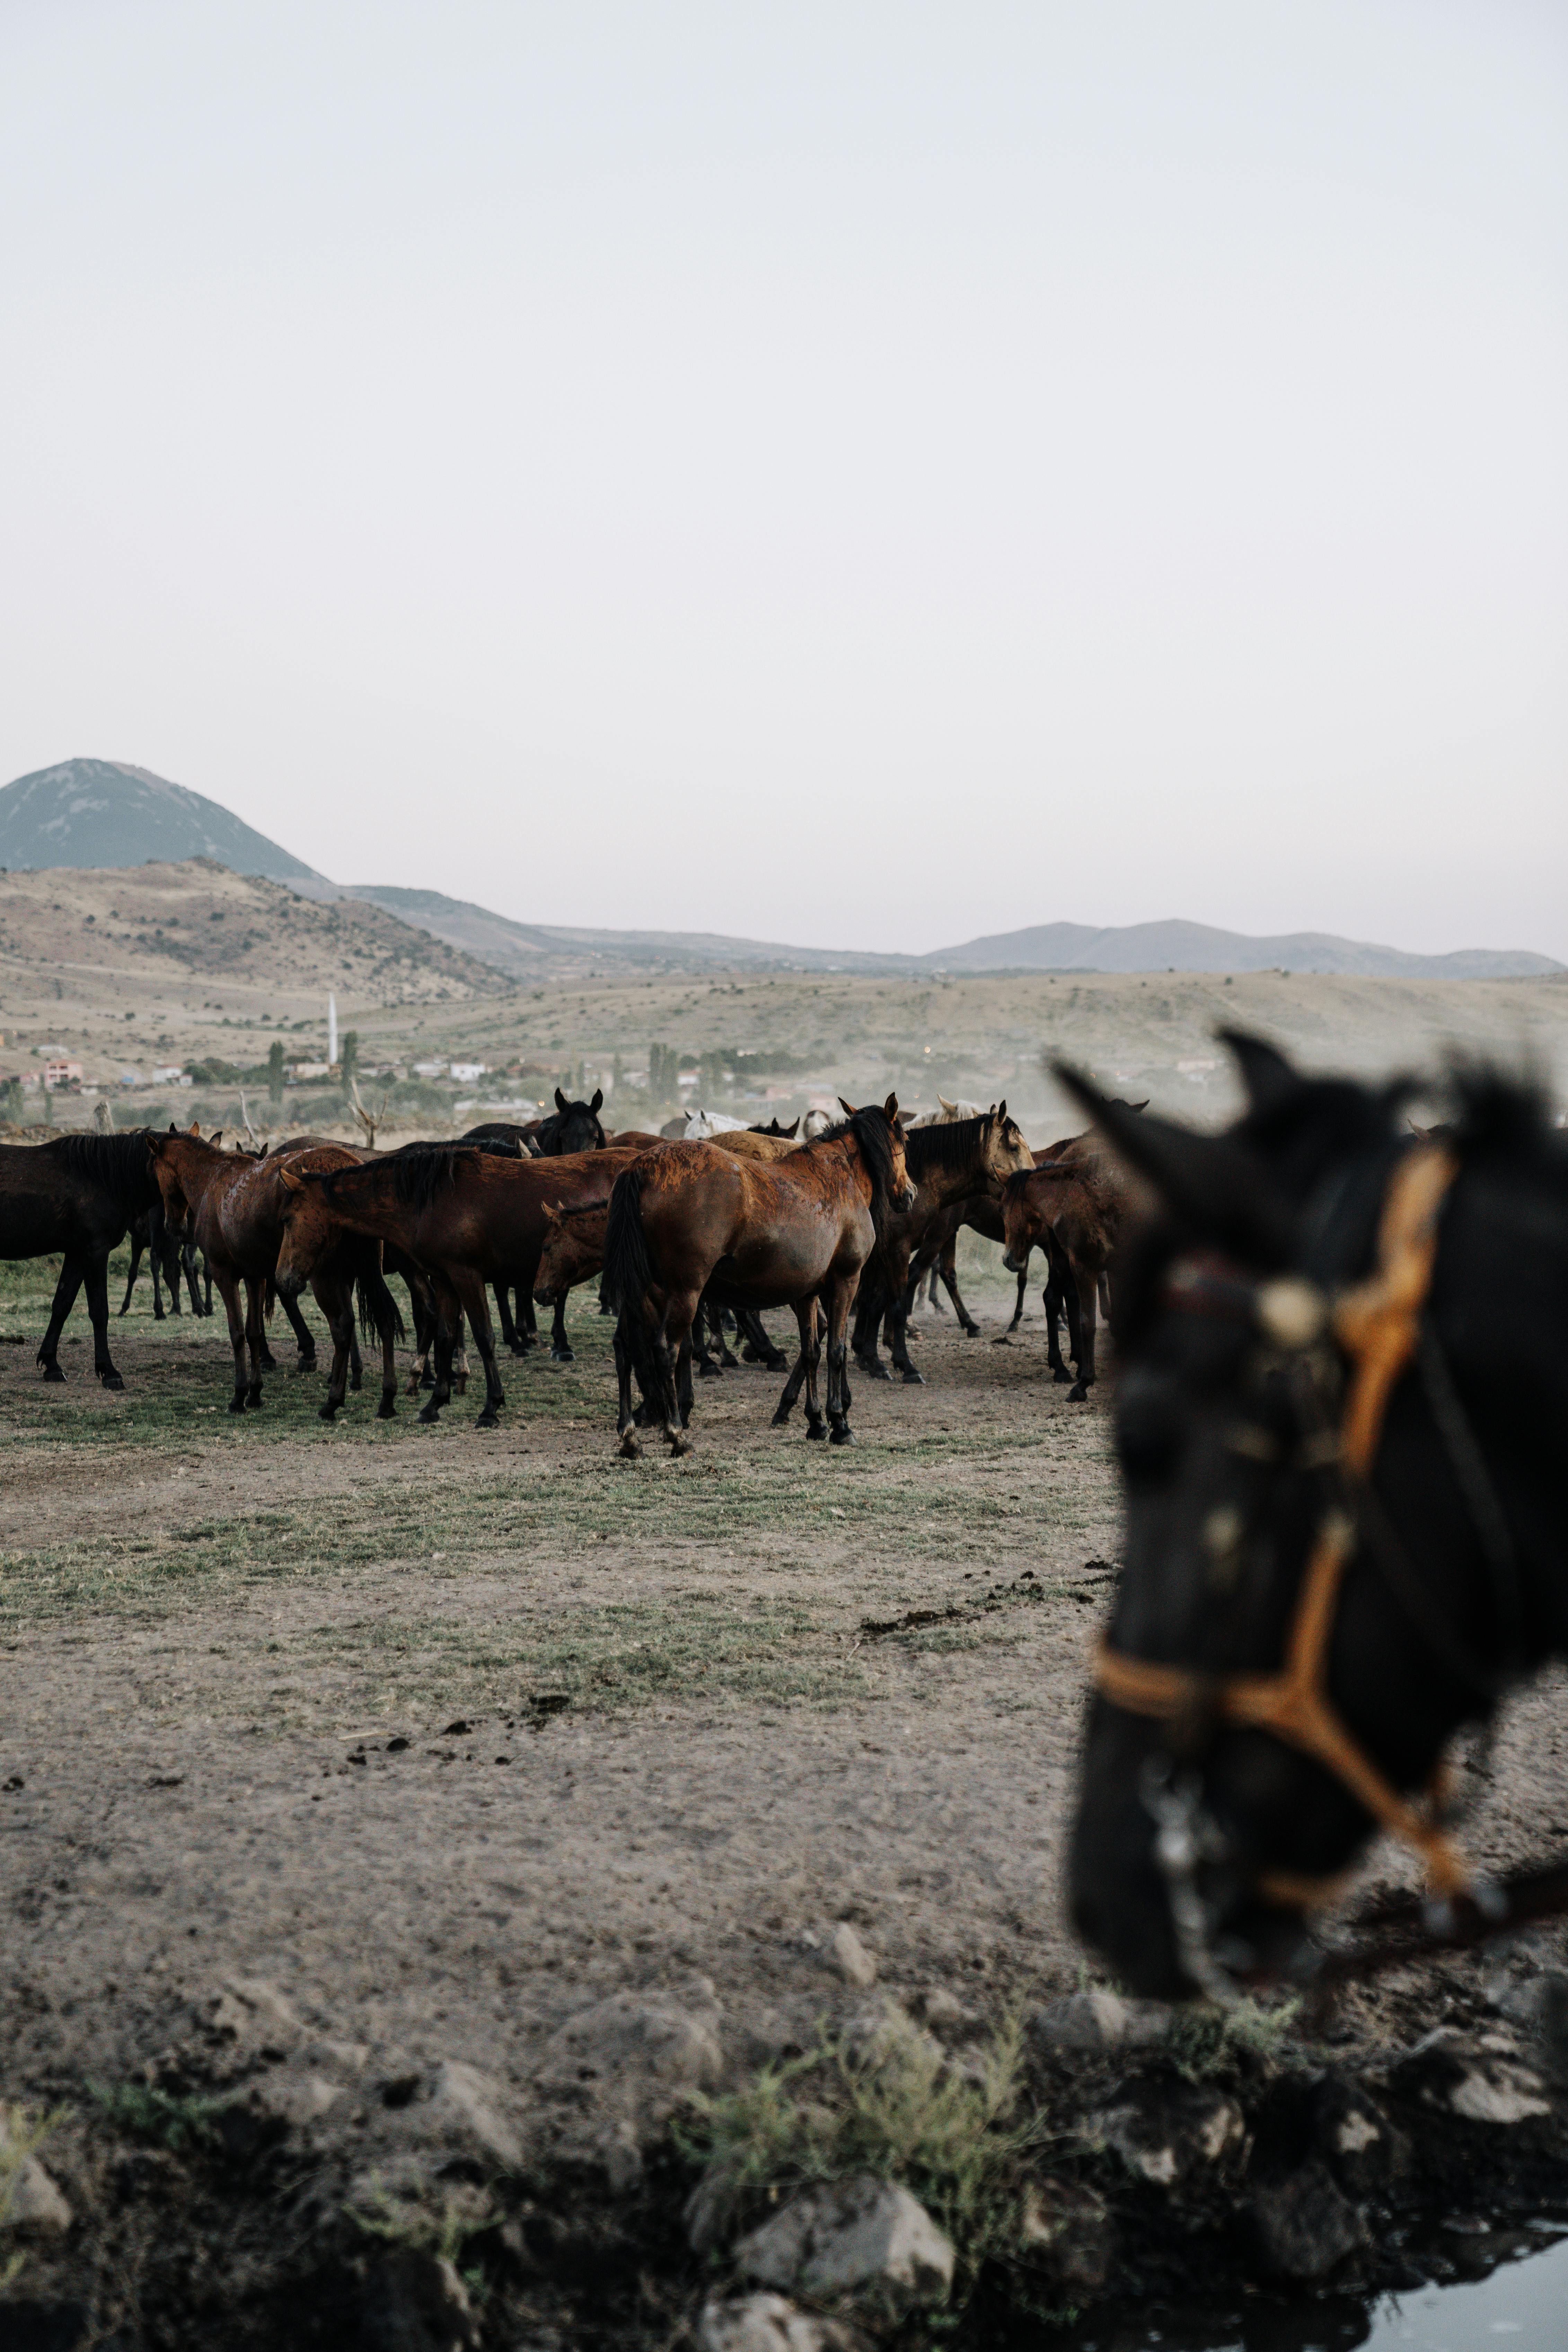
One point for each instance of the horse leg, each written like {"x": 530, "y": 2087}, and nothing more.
{"x": 899, "y": 1318}
{"x": 335, "y": 1300}
{"x": 256, "y": 1334}
{"x": 136, "y": 1248}
{"x": 207, "y": 1277}
{"x": 72, "y": 1275}
{"x": 560, "y": 1350}
{"x": 679, "y": 1314}
{"x": 304, "y": 1338}
{"x": 98, "y": 1310}
{"x": 504, "y": 1317}
{"x": 475, "y": 1305}
{"x": 865, "y": 1339}
{"x": 449, "y": 1332}
{"x": 1105, "y": 1298}
{"x": 805, "y": 1319}
{"x": 947, "y": 1266}
{"x": 228, "y": 1291}
{"x": 932, "y": 1298}
{"x": 459, "y": 1358}
{"x": 1086, "y": 1283}
{"x": 707, "y": 1320}
{"x": 605, "y": 1306}
{"x": 839, "y": 1429}
{"x": 1018, "y": 1302}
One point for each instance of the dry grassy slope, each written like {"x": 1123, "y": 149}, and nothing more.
{"x": 82, "y": 947}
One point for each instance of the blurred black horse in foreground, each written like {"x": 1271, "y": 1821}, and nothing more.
{"x": 1342, "y": 1425}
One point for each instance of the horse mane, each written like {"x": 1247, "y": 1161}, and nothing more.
{"x": 120, "y": 1165}
{"x": 421, "y": 1171}
{"x": 950, "y": 1146}
{"x": 870, "y": 1130}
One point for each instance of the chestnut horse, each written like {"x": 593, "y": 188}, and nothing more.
{"x": 760, "y": 1234}
{"x": 235, "y": 1207}
{"x": 1076, "y": 1207}
{"x": 466, "y": 1216}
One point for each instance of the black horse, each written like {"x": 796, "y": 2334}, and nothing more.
{"x": 76, "y": 1194}
{"x": 1342, "y": 1399}
{"x": 571, "y": 1127}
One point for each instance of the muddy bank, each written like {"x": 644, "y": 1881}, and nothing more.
{"x": 263, "y": 2182}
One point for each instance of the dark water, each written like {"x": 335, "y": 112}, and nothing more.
{"x": 1522, "y": 2305}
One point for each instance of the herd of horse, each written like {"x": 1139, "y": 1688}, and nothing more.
{"x": 689, "y": 1234}
{"x": 1338, "y": 1413}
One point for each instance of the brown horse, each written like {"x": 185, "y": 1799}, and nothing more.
{"x": 573, "y": 1253}
{"x": 948, "y": 1162}
{"x": 693, "y": 1217}
{"x": 1076, "y": 1207}
{"x": 467, "y": 1217}
{"x": 235, "y": 1207}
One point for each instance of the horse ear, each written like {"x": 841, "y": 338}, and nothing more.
{"x": 793, "y": 1127}
{"x": 216, "y": 1137}
{"x": 561, "y": 1101}
{"x": 1209, "y": 1183}
{"x": 1001, "y": 1108}
{"x": 890, "y": 1109}
{"x": 291, "y": 1182}
{"x": 846, "y": 1108}
{"x": 598, "y": 1102}
{"x": 194, "y": 1127}
{"x": 1270, "y": 1079}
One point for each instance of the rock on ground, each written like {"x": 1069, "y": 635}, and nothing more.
{"x": 768, "y": 2322}
{"x": 1305, "y": 2228}
{"x": 854, "y": 2237}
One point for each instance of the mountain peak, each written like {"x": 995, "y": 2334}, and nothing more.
{"x": 108, "y": 813}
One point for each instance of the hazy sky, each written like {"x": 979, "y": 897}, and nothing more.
{"x": 860, "y": 474}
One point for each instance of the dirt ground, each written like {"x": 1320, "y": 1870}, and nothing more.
{"x": 446, "y": 1737}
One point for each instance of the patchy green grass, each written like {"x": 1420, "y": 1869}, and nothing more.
{"x": 959, "y": 2138}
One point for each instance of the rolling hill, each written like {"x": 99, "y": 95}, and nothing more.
{"x": 107, "y": 813}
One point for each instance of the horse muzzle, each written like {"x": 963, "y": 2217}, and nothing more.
{"x": 907, "y": 1197}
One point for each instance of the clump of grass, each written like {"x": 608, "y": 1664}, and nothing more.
{"x": 173, "y": 2120}
{"x": 22, "y": 2134}
{"x": 1204, "y": 2041}
{"x": 956, "y": 2138}
{"x": 443, "y": 2232}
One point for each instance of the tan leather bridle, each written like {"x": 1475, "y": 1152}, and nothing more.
{"x": 1377, "y": 1323}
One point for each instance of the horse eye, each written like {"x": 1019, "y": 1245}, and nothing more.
{"x": 1148, "y": 1432}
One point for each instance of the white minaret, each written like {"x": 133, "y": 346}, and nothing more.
{"x": 332, "y": 1027}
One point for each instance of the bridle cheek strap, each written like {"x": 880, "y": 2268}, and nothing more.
{"x": 1377, "y": 1324}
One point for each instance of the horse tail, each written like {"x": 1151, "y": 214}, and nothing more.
{"x": 629, "y": 1277}
{"x": 377, "y": 1307}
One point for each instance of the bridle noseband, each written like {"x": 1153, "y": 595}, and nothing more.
{"x": 1378, "y": 1324}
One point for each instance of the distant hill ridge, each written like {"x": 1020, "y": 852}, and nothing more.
{"x": 106, "y": 813}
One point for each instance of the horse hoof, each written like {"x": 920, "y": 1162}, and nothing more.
{"x": 1063, "y": 1379}
{"x": 253, "y": 1399}
{"x": 972, "y": 1331}
{"x": 53, "y": 1372}
{"x": 236, "y": 1402}
{"x": 631, "y": 1446}
{"x": 780, "y": 1419}
{"x": 816, "y": 1429}
{"x": 710, "y": 1371}
{"x": 841, "y": 1436}
{"x": 489, "y": 1419}
{"x": 430, "y": 1415}
{"x": 388, "y": 1408}
{"x": 327, "y": 1411}
{"x": 561, "y": 1356}
{"x": 1077, "y": 1394}
{"x": 355, "y": 1384}
{"x": 913, "y": 1379}
{"x": 111, "y": 1379}
{"x": 877, "y": 1371}
{"x": 678, "y": 1442}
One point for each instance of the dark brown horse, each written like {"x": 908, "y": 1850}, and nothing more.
{"x": 954, "y": 1161}
{"x": 467, "y": 1217}
{"x": 76, "y": 1195}
{"x": 692, "y": 1218}
{"x": 1076, "y": 1207}
{"x": 235, "y": 1207}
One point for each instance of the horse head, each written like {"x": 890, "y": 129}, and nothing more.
{"x": 1337, "y": 1421}
{"x": 576, "y": 1125}
{"x": 1006, "y": 1153}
